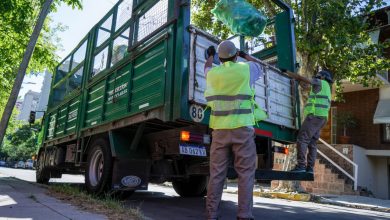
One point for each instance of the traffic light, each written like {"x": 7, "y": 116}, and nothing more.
{"x": 31, "y": 119}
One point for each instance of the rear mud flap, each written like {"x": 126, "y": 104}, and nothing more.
{"x": 130, "y": 174}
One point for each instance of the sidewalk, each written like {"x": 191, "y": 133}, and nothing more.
{"x": 358, "y": 202}
{"x": 23, "y": 200}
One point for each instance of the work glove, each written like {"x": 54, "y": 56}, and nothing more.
{"x": 242, "y": 54}
{"x": 211, "y": 51}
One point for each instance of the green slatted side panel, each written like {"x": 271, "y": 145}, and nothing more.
{"x": 149, "y": 79}
{"x": 94, "y": 104}
{"x": 61, "y": 120}
{"x": 72, "y": 116}
{"x": 52, "y": 125}
{"x": 117, "y": 94}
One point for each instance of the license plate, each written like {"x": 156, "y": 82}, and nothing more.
{"x": 193, "y": 150}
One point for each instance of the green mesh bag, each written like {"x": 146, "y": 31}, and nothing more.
{"x": 241, "y": 17}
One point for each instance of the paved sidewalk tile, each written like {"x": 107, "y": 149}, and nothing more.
{"x": 23, "y": 200}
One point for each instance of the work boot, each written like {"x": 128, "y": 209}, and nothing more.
{"x": 298, "y": 169}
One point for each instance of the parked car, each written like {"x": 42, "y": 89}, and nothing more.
{"x": 20, "y": 164}
{"x": 2, "y": 163}
{"x": 29, "y": 164}
{"x": 10, "y": 164}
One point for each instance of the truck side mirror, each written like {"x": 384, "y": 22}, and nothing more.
{"x": 31, "y": 118}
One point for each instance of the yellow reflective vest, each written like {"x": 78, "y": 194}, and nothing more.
{"x": 318, "y": 104}
{"x": 230, "y": 97}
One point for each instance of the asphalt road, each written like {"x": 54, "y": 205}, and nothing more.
{"x": 161, "y": 202}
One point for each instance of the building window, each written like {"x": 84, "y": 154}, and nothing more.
{"x": 386, "y": 133}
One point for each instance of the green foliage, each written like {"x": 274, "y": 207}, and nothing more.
{"x": 22, "y": 143}
{"x": 74, "y": 4}
{"x": 17, "y": 20}
{"x": 202, "y": 17}
{"x": 106, "y": 204}
{"x": 330, "y": 34}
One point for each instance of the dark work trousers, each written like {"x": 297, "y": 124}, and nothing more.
{"x": 307, "y": 139}
{"x": 241, "y": 142}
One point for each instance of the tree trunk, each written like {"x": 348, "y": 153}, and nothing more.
{"x": 22, "y": 68}
{"x": 307, "y": 69}
{"x": 290, "y": 161}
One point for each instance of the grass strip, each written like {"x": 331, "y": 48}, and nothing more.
{"x": 106, "y": 205}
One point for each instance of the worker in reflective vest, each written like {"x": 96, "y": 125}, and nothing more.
{"x": 316, "y": 115}
{"x": 230, "y": 96}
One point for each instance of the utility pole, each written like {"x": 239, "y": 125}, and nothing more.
{"x": 23, "y": 67}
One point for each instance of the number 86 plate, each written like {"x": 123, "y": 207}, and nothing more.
{"x": 193, "y": 150}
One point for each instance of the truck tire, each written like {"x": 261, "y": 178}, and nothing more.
{"x": 194, "y": 186}
{"x": 99, "y": 167}
{"x": 42, "y": 173}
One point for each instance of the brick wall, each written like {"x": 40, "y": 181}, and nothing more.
{"x": 327, "y": 182}
{"x": 346, "y": 149}
{"x": 326, "y": 179}
{"x": 362, "y": 104}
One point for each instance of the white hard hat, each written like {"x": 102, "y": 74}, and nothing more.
{"x": 226, "y": 49}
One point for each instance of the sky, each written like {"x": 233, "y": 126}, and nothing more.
{"x": 78, "y": 23}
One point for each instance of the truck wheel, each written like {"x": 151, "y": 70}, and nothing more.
{"x": 42, "y": 174}
{"x": 99, "y": 167}
{"x": 194, "y": 186}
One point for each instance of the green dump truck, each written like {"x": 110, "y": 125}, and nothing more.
{"x": 126, "y": 107}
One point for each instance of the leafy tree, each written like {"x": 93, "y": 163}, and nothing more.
{"x": 16, "y": 21}
{"x": 22, "y": 143}
{"x": 17, "y": 17}
{"x": 330, "y": 34}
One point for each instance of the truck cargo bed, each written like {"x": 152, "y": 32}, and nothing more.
{"x": 275, "y": 92}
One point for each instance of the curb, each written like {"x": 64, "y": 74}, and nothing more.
{"x": 305, "y": 197}
{"x": 302, "y": 197}
{"x": 326, "y": 201}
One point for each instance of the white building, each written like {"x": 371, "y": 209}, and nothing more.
{"x": 35, "y": 101}
{"x": 44, "y": 95}
{"x": 19, "y": 103}
{"x": 30, "y": 103}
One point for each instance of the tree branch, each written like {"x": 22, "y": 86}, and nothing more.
{"x": 270, "y": 7}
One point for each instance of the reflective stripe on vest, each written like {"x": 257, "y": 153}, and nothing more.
{"x": 229, "y": 96}
{"x": 319, "y": 104}
{"x": 320, "y": 97}
{"x": 231, "y": 112}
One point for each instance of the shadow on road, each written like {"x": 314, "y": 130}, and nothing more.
{"x": 165, "y": 205}
{"x": 161, "y": 202}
